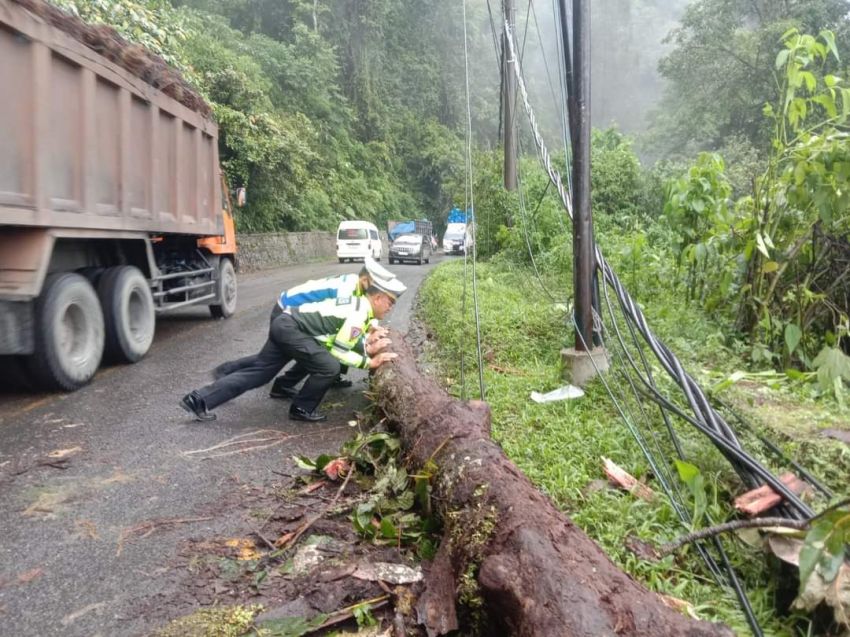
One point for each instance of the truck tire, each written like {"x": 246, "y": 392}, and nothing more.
{"x": 69, "y": 333}
{"x": 226, "y": 290}
{"x": 128, "y": 313}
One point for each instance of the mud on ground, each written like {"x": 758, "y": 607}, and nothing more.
{"x": 328, "y": 569}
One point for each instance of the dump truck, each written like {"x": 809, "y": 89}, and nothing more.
{"x": 112, "y": 203}
{"x": 416, "y": 226}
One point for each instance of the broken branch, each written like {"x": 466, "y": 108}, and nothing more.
{"x": 734, "y": 525}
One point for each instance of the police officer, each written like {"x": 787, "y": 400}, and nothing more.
{"x": 310, "y": 292}
{"x": 319, "y": 336}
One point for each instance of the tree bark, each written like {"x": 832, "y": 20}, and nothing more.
{"x": 506, "y": 548}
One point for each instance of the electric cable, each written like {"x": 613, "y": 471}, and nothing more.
{"x": 470, "y": 212}
{"x": 525, "y": 224}
{"x": 704, "y": 418}
{"x": 730, "y": 572}
{"x": 495, "y": 38}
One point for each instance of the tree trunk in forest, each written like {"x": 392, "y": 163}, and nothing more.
{"x": 505, "y": 545}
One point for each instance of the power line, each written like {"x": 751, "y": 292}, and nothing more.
{"x": 702, "y": 416}
{"x": 470, "y": 211}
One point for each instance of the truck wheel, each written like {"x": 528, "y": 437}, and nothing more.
{"x": 226, "y": 290}
{"x": 128, "y": 313}
{"x": 69, "y": 333}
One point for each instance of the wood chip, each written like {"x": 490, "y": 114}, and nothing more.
{"x": 621, "y": 478}
{"x": 757, "y": 501}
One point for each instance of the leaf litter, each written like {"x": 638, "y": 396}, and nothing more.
{"x": 323, "y": 549}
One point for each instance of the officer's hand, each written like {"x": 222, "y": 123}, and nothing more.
{"x": 374, "y": 347}
{"x": 376, "y": 333}
{"x": 380, "y": 359}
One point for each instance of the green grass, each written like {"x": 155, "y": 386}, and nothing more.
{"x": 559, "y": 445}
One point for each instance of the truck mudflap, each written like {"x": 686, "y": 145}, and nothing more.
{"x": 16, "y": 327}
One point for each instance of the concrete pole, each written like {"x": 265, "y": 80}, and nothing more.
{"x": 584, "y": 361}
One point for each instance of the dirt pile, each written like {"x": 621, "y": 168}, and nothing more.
{"x": 135, "y": 58}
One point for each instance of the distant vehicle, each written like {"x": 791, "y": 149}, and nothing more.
{"x": 358, "y": 240}
{"x": 457, "y": 239}
{"x": 112, "y": 206}
{"x": 411, "y": 247}
{"x": 418, "y": 226}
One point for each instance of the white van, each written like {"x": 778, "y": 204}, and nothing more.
{"x": 358, "y": 240}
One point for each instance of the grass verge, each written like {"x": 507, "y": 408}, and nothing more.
{"x": 559, "y": 445}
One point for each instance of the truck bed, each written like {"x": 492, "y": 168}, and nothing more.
{"x": 86, "y": 145}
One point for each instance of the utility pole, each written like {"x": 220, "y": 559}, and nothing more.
{"x": 509, "y": 102}
{"x": 583, "y": 361}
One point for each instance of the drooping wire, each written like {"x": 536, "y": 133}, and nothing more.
{"x": 562, "y": 82}
{"x": 732, "y": 577}
{"x": 496, "y": 46}
{"x": 526, "y": 222}
{"x": 704, "y": 418}
{"x": 724, "y": 438}
{"x": 470, "y": 211}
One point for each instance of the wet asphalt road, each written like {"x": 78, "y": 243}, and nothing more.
{"x": 64, "y": 569}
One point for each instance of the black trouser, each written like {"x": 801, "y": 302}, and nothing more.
{"x": 290, "y": 379}
{"x": 294, "y": 375}
{"x": 286, "y": 342}
{"x": 246, "y": 361}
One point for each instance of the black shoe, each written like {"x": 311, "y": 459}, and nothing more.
{"x": 282, "y": 392}
{"x": 342, "y": 381}
{"x": 194, "y": 404}
{"x": 299, "y": 413}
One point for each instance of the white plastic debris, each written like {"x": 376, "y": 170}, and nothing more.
{"x": 567, "y": 392}
{"x": 388, "y": 572}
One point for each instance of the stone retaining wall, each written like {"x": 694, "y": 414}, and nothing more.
{"x": 275, "y": 249}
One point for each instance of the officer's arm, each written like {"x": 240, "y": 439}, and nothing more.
{"x": 343, "y": 347}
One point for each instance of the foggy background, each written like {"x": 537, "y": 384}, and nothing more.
{"x": 626, "y": 44}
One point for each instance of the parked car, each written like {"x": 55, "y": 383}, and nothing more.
{"x": 358, "y": 240}
{"x": 411, "y": 247}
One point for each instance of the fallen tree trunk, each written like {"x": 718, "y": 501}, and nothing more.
{"x": 505, "y": 545}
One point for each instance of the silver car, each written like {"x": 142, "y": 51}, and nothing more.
{"x": 411, "y": 247}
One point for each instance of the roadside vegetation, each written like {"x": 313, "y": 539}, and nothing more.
{"x": 736, "y": 241}
{"x": 747, "y": 284}
{"x": 326, "y": 111}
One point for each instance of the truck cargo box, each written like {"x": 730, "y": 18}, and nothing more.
{"x": 112, "y": 206}
{"x": 85, "y": 144}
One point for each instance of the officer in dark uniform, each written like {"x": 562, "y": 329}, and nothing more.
{"x": 312, "y": 291}
{"x": 319, "y": 336}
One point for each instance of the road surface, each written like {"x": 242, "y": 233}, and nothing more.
{"x": 82, "y": 474}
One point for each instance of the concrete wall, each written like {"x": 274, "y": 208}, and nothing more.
{"x": 275, "y": 249}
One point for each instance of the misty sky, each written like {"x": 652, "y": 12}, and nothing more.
{"x": 626, "y": 43}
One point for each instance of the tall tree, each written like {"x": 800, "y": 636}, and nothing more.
{"x": 721, "y": 68}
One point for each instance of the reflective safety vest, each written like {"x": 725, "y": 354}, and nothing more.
{"x": 338, "y": 324}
